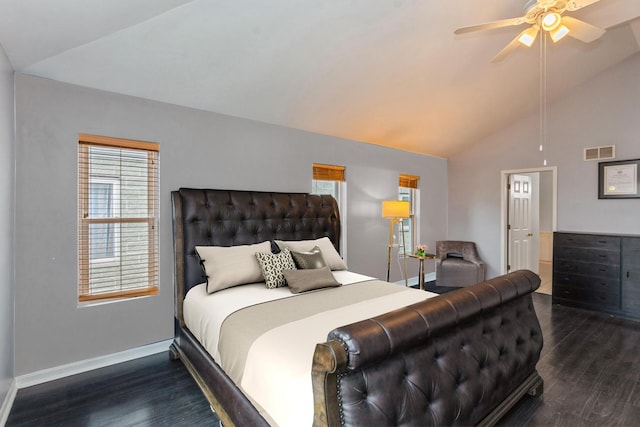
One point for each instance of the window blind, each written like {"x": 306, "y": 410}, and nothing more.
{"x": 408, "y": 181}
{"x": 328, "y": 172}
{"x": 117, "y": 218}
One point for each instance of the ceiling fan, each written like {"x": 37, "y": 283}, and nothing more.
{"x": 548, "y": 16}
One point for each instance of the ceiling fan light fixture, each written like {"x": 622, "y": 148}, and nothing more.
{"x": 543, "y": 16}
{"x": 558, "y": 33}
{"x": 528, "y": 36}
{"x": 551, "y": 21}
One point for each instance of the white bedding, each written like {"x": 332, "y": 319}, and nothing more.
{"x": 204, "y": 314}
{"x": 285, "y": 394}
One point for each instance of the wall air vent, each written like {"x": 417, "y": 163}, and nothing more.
{"x": 600, "y": 153}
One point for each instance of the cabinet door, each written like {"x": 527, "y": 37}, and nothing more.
{"x": 631, "y": 275}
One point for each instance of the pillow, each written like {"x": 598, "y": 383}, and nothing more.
{"x": 329, "y": 253}
{"x": 307, "y": 280}
{"x": 272, "y": 266}
{"x": 308, "y": 260}
{"x": 231, "y": 266}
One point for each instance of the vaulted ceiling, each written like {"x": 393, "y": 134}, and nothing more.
{"x": 388, "y": 72}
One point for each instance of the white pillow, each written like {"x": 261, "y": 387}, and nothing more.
{"x": 231, "y": 266}
{"x": 329, "y": 253}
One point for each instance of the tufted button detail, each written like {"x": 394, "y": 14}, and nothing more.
{"x": 226, "y": 218}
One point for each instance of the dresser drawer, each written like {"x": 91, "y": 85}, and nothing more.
{"x": 587, "y": 255}
{"x": 587, "y": 283}
{"x": 588, "y": 297}
{"x": 610, "y": 243}
{"x": 587, "y": 268}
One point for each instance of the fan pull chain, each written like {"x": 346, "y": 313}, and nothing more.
{"x": 543, "y": 97}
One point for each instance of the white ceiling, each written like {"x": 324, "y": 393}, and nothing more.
{"x": 388, "y": 72}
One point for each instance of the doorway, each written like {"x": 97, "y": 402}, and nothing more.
{"x": 528, "y": 221}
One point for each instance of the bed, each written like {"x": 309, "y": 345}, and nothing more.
{"x": 348, "y": 350}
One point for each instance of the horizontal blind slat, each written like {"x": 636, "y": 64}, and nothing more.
{"x": 408, "y": 181}
{"x": 328, "y": 172}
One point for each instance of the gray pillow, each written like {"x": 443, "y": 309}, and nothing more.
{"x": 309, "y": 260}
{"x": 329, "y": 253}
{"x": 272, "y": 266}
{"x": 307, "y": 280}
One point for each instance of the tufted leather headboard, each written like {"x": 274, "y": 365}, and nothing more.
{"x": 203, "y": 217}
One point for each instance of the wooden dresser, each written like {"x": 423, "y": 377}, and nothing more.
{"x": 597, "y": 272}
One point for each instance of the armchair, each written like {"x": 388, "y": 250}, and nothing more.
{"x": 458, "y": 264}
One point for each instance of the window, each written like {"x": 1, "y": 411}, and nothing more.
{"x": 408, "y": 190}
{"x": 117, "y": 218}
{"x": 104, "y": 202}
{"x": 330, "y": 179}
{"x": 327, "y": 179}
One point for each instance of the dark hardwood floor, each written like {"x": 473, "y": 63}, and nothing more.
{"x": 150, "y": 391}
{"x": 590, "y": 364}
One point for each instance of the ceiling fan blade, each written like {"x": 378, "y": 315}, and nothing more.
{"x": 581, "y": 30}
{"x": 579, "y": 4}
{"x": 491, "y": 25}
{"x": 508, "y": 49}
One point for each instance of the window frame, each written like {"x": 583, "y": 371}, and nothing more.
{"x": 85, "y": 293}
{"x": 335, "y": 174}
{"x": 410, "y": 183}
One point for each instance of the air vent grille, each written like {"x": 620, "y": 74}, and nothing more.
{"x": 600, "y": 153}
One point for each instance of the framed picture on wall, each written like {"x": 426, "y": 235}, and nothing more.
{"x": 619, "y": 179}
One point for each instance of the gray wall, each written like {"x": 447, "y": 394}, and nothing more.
{"x": 603, "y": 111}
{"x": 546, "y": 198}
{"x": 7, "y": 173}
{"x": 198, "y": 149}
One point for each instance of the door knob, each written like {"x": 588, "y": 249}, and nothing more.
{"x": 530, "y": 234}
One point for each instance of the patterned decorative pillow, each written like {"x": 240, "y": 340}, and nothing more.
{"x": 309, "y": 260}
{"x": 272, "y": 266}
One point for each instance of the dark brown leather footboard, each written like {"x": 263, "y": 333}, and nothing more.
{"x": 462, "y": 358}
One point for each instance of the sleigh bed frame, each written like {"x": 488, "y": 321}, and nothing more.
{"x": 462, "y": 358}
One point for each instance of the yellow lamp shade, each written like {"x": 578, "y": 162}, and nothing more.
{"x": 396, "y": 209}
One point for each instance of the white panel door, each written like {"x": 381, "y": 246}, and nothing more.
{"x": 520, "y": 231}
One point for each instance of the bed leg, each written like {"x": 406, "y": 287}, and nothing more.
{"x": 173, "y": 352}
{"x": 537, "y": 389}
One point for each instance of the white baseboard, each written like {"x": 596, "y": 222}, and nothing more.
{"x": 50, "y": 374}
{"x": 8, "y": 402}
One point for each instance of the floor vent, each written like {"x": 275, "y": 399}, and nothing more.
{"x": 600, "y": 153}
